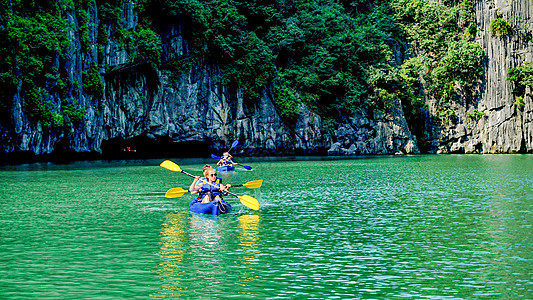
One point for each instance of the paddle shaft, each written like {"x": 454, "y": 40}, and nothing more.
{"x": 246, "y": 167}
{"x": 207, "y": 181}
{"x": 232, "y": 194}
{"x": 187, "y": 173}
{"x": 233, "y": 145}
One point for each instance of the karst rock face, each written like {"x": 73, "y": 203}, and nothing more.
{"x": 492, "y": 122}
{"x": 142, "y": 103}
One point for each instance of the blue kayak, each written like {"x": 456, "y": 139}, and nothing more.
{"x": 210, "y": 208}
{"x": 225, "y": 168}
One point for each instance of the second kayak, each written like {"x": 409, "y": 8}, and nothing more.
{"x": 225, "y": 168}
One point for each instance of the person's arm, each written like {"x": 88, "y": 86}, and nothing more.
{"x": 193, "y": 188}
{"x": 224, "y": 188}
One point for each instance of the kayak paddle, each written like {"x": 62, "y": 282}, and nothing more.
{"x": 246, "y": 200}
{"x": 175, "y": 193}
{"x": 178, "y": 192}
{"x": 251, "y": 184}
{"x": 233, "y": 145}
{"x": 246, "y": 167}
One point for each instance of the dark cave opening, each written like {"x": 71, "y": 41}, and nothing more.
{"x": 144, "y": 147}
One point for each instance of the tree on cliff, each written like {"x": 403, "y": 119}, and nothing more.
{"x": 337, "y": 57}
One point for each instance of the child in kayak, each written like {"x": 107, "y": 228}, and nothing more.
{"x": 210, "y": 187}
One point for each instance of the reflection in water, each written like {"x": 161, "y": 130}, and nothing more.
{"x": 248, "y": 244}
{"x": 173, "y": 250}
{"x": 206, "y": 252}
{"x": 190, "y": 255}
{"x": 505, "y": 192}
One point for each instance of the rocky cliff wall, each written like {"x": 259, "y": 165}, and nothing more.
{"x": 146, "y": 105}
{"x": 500, "y": 126}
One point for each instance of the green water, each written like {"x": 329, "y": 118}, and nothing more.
{"x": 454, "y": 226}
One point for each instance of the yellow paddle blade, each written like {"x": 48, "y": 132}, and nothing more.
{"x": 249, "y": 201}
{"x": 175, "y": 192}
{"x": 167, "y": 164}
{"x": 254, "y": 184}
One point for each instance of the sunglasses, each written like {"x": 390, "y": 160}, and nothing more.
{"x": 213, "y": 175}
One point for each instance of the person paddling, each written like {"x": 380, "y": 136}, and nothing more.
{"x": 210, "y": 187}
{"x": 225, "y": 160}
{"x": 205, "y": 169}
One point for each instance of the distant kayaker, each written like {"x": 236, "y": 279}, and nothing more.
{"x": 225, "y": 160}
{"x": 210, "y": 187}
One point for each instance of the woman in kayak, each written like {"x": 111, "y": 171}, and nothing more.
{"x": 210, "y": 187}
{"x": 205, "y": 170}
{"x": 225, "y": 160}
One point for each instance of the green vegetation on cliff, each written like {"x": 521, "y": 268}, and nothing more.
{"x": 500, "y": 27}
{"x": 521, "y": 78}
{"x": 334, "y": 56}
{"x": 33, "y": 38}
{"x": 446, "y": 59}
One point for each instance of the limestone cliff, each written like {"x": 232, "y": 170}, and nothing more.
{"x": 492, "y": 123}
{"x": 143, "y": 106}
{"x": 149, "y": 110}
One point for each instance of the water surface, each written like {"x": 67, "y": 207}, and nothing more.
{"x": 454, "y": 226}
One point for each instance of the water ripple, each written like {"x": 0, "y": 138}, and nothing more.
{"x": 379, "y": 228}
